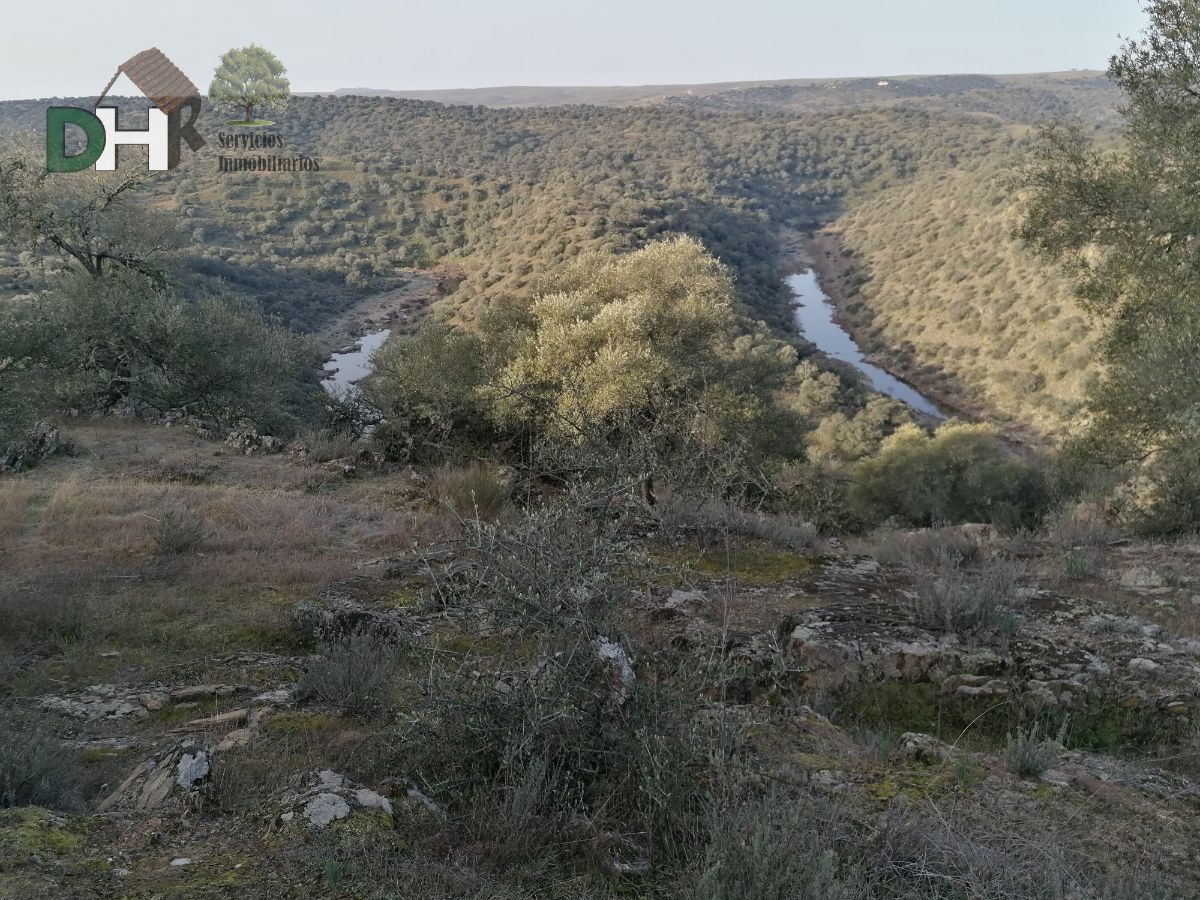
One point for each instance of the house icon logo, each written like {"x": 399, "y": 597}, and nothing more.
{"x": 171, "y": 120}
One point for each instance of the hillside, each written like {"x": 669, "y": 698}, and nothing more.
{"x": 930, "y": 277}
{"x": 182, "y": 682}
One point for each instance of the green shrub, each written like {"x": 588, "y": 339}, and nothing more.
{"x": 959, "y": 473}
{"x": 1028, "y": 753}
{"x": 773, "y": 848}
{"x": 965, "y": 603}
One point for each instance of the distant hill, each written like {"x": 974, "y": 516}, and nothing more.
{"x": 1010, "y": 98}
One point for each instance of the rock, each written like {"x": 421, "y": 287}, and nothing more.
{"x": 979, "y": 533}
{"x": 249, "y": 442}
{"x": 1142, "y": 578}
{"x": 43, "y": 442}
{"x": 233, "y": 717}
{"x": 279, "y": 695}
{"x": 331, "y": 797}
{"x": 681, "y": 603}
{"x": 332, "y": 615}
{"x": 192, "y": 769}
{"x": 621, "y": 677}
{"x": 921, "y": 748}
{"x": 325, "y": 808}
{"x": 1139, "y": 664}
{"x": 239, "y": 737}
{"x": 184, "y": 766}
{"x": 181, "y": 861}
{"x": 205, "y": 692}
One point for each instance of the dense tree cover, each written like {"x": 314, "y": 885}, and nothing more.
{"x": 638, "y": 362}
{"x": 1125, "y": 222}
{"x": 509, "y": 194}
{"x": 107, "y": 328}
{"x": 959, "y": 473}
{"x": 1088, "y": 96}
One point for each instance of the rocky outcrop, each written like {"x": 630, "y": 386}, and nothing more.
{"x": 338, "y": 611}
{"x": 43, "y": 442}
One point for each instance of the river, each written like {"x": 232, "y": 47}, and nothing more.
{"x": 815, "y": 318}
{"x": 345, "y": 370}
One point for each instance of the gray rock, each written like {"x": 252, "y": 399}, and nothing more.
{"x": 325, "y": 808}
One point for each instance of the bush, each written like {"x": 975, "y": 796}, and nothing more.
{"x": 473, "y": 491}
{"x": 960, "y": 473}
{"x": 356, "y": 672}
{"x": 1028, "y": 753}
{"x": 773, "y": 848}
{"x": 51, "y": 613}
{"x": 178, "y": 530}
{"x": 713, "y": 516}
{"x": 965, "y": 603}
{"x": 936, "y": 549}
{"x": 35, "y": 768}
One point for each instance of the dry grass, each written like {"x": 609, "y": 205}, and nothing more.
{"x": 93, "y": 553}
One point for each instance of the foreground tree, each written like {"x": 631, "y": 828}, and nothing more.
{"x": 1127, "y": 223}
{"x": 250, "y": 78}
{"x": 89, "y": 220}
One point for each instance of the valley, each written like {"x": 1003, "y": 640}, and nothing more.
{"x": 736, "y": 491}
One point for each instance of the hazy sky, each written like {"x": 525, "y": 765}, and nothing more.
{"x": 71, "y": 47}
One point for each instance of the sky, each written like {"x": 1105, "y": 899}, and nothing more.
{"x": 71, "y": 47}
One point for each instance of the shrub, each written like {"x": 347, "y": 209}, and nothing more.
{"x": 53, "y": 613}
{"x": 685, "y": 514}
{"x": 178, "y": 530}
{"x": 960, "y": 473}
{"x": 355, "y": 672}
{"x": 965, "y": 603}
{"x": 1028, "y": 753}
{"x": 773, "y": 848}
{"x": 473, "y": 491}
{"x": 937, "y": 549}
{"x": 35, "y": 768}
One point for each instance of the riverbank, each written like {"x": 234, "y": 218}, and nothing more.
{"x": 822, "y": 253}
{"x": 396, "y": 310}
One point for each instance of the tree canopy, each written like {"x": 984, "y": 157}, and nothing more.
{"x": 1126, "y": 222}
{"x": 250, "y": 78}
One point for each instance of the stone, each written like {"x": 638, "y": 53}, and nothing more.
{"x": 233, "y": 717}
{"x": 325, "y": 808}
{"x": 921, "y": 748}
{"x": 1139, "y": 664}
{"x": 181, "y": 861}
{"x": 205, "y": 692}
{"x": 621, "y": 677}
{"x": 369, "y": 798}
{"x": 192, "y": 768}
{"x": 329, "y": 616}
{"x": 1142, "y": 578}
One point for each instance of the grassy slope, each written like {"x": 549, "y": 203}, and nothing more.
{"x": 942, "y": 291}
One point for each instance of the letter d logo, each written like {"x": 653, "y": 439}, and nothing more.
{"x": 57, "y": 120}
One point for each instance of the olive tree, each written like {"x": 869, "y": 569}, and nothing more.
{"x": 1125, "y": 221}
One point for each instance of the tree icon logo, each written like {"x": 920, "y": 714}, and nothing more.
{"x": 251, "y": 80}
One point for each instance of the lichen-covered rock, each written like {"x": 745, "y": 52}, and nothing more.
{"x": 179, "y": 771}
{"x": 329, "y": 797}
{"x": 336, "y": 612}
